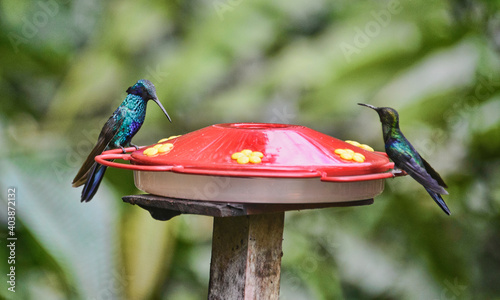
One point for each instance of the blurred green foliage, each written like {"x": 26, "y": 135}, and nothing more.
{"x": 65, "y": 66}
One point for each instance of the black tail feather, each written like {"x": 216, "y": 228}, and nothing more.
{"x": 93, "y": 182}
{"x": 439, "y": 200}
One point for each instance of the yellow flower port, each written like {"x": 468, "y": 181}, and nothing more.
{"x": 158, "y": 149}
{"x": 349, "y": 154}
{"x": 247, "y": 156}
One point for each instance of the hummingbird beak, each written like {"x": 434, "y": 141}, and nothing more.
{"x": 161, "y": 106}
{"x": 368, "y": 105}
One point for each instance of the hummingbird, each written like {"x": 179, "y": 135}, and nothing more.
{"x": 406, "y": 158}
{"x": 117, "y": 132}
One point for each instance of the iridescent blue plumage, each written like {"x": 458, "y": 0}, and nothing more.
{"x": 117, "y": 133}
{"x": 406, "y": 158}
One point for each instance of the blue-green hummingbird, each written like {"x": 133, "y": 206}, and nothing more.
{"x": 117, "y": 132}
{"x": 406, "y": 158}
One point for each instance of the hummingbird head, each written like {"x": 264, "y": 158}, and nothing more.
{"x": 147, "y": 91}
{"x": 388, "y": 117}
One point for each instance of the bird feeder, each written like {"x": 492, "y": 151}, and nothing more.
{"x": 247, "y": 175}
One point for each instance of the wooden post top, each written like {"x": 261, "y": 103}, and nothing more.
{"x": 164, "y": 208}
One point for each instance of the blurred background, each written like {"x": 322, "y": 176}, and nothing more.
{"x": 65, "y": 66}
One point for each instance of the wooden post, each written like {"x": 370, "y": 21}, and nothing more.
{"x": 246, "y": 257}
{"x": 247, "y": 240}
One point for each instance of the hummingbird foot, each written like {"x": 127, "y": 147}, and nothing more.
{"x": 123, "y": 149}
{"x": 135, "y": 146}
{"x": 398, "y": 172}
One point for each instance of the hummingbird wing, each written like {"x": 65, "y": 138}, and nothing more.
{"x": 108, "y": 132}
{"x": 433, "y": 173}
{"x": 421, "y": 175}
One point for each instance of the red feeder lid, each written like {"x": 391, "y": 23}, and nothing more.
{"x": 285, "y": 150}
{"x": 278, "y": 164}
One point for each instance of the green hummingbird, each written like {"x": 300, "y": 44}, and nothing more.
{"x": 117, "y": 132}
{"x": 406, "y": 158}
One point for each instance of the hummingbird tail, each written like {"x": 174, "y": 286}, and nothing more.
{"x": 439, "y": 200}
{"x": 93, "y": 182}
